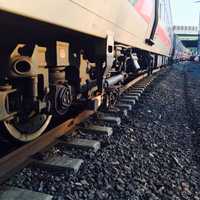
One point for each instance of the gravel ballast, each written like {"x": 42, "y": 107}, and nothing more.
{"x": 154, "y": 154}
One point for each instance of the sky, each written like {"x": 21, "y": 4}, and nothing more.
{"x": 185, "y": 12}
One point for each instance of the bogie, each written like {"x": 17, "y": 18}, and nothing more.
{"x": 54, "y": 63}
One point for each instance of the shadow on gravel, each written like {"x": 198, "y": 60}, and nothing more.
{"x": 193, "y": 117}
{"x": 162, "y": 76}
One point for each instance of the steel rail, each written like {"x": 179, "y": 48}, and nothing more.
{"x": 136, "y": 80}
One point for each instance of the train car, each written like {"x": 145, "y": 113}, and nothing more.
{"x": 56, "y": 54}
{"x": 180, "y": 52}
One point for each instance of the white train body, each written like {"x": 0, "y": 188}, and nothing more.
{"x": 129, "y": 24}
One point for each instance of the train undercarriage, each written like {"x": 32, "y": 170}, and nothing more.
{"x": 45, "y": 73}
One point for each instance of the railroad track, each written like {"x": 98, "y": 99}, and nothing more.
{"x": 22, "y": 156}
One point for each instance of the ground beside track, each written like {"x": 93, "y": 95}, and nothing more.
{"x": 155, "y": 154}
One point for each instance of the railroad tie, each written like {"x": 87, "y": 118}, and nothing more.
{"x": 138, "y": 94}
{"x": 137, "y": 90}
{"x": 111, "y": 119}
{"x": 108, "y": 131}
{"x": 124, "y": 106}
{"x": 144, "y": 85}
{"x": 116, "y": 110}
{"x": 129, "y": 96}
{"x": 60, "y": 163}
{"x": 127, "y": 100}
{"x": 82, "y": 144}
{"x": 140, "y": 87}
{"x": 13, "y": 193}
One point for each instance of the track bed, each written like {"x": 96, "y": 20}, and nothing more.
{"x": 153, "y": 154}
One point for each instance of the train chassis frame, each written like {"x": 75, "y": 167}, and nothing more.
{"x": 39, "y": 83}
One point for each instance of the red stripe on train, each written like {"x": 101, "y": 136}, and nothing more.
{"x": 163, "y": 36}
{"x": 145, "y": 9}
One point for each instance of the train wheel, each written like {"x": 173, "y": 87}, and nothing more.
{"x": 29, "y": 130}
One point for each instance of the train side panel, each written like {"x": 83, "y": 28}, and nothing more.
{"x": 126, "y": 20}
{"x": 57, "y": 56}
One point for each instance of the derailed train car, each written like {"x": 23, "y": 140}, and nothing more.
{"x": 55, "y": 54}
